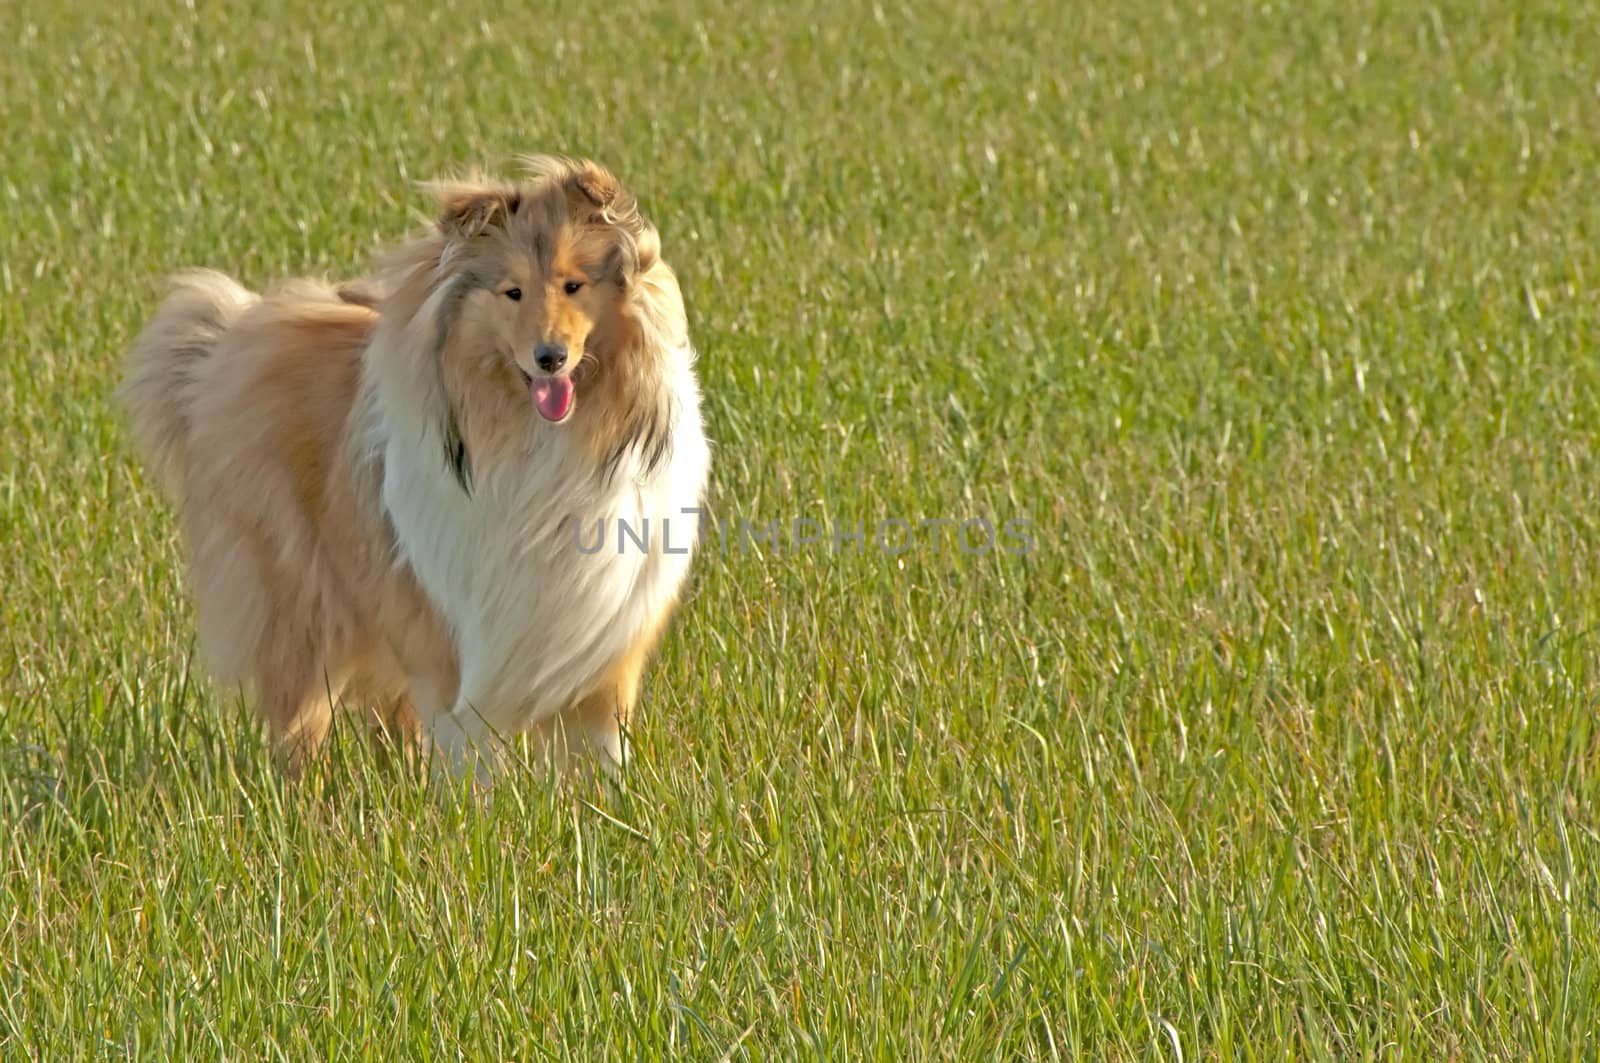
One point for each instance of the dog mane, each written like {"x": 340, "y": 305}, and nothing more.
{"x": 474, "y": 212}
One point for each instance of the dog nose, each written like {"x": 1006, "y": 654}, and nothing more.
{"x": 550, "y": 356}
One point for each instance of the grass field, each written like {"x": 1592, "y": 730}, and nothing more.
{"x": 1276, "y": 320}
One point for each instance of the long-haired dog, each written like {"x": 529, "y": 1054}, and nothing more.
{"x": 382, "y": 486}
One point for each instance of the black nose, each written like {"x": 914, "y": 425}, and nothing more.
{"x": 550, "y": 356}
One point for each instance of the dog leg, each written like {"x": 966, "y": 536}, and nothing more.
{"x": 590, "y": 730}
{"x": 379, "y": 691}
{"x": 464, "y": 747}
{"x": 599, "y": 721}
{"x": 393, "y": 727}
{"x": 298, "y": 707}
{"x": 596, "y": 725}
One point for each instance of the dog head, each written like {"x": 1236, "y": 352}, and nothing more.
{"x": 537, "y": 296}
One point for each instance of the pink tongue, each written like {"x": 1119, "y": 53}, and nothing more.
{"x": 553, "y": 396}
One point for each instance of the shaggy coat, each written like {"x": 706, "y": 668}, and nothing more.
{"x": 382, "y": 485}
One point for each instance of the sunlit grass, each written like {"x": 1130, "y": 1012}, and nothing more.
{"x": 1278, "y": 323}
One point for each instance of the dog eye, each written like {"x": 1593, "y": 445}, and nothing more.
{"x": 514, "y": 294}
{"x": 571, "y": 287}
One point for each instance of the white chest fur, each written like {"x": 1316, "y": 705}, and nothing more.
{"x": 540, "y": 592}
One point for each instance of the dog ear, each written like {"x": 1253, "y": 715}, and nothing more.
{"x": 597, "y": 184}
{"x": 598, "y": 195}
{"x": 471, "y": 207}
{"x": 602, "y": 200}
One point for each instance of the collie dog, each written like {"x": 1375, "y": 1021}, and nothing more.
{"x": 381, "y": 484}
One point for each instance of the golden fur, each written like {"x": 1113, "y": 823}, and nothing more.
{"x": 257, "y": 414}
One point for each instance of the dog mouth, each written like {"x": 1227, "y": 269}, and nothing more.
{"x": 552, "y": 396}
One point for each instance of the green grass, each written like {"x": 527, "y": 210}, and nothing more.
{"x": 1277, "y": 320}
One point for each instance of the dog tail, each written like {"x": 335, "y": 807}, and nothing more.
{"x": 163, "y": 367}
